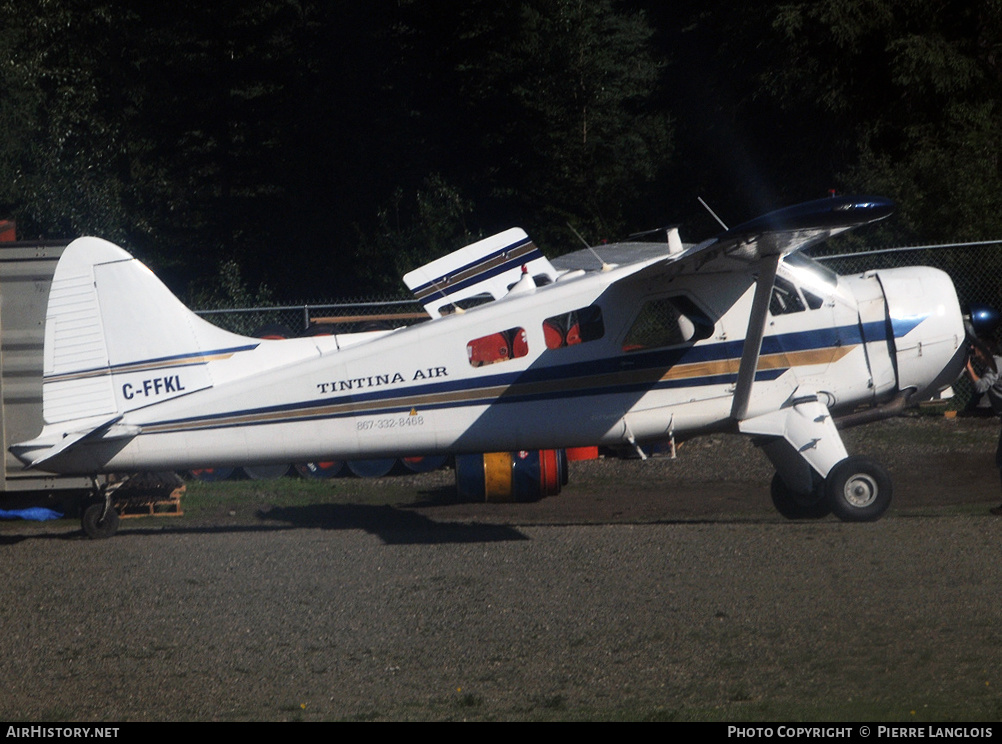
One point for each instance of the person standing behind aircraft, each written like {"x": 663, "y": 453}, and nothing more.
{"x": 990, "y": 382}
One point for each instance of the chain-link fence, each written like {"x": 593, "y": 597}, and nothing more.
{"x": 975, "y": 268}
{"x": 286, "y": 321}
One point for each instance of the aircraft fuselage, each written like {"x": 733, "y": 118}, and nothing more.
{"x": 650, "y": 359}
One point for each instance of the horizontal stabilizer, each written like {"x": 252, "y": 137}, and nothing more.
{"x": 22, "y": 451}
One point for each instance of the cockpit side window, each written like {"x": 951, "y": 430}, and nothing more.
{"x": 788, "y": 298}
{"x": 813, "y": 301}
{"x": 785, "y": 298}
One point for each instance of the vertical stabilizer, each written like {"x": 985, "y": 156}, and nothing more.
{"x": 116, "y": 339}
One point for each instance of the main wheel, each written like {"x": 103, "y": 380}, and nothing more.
{"x": 97, "y": 524}
{"x": 858, "y": 490}
{"x": 792, "y": 505}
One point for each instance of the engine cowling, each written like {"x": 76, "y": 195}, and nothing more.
{"x": 926, "y": 329}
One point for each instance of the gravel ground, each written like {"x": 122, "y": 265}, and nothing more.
{"x": 661, "y": 590}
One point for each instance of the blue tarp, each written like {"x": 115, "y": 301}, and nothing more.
{"x": 32, "y": 513}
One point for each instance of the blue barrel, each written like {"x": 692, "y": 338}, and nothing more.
{"x": 470, "y": 477}
{"x": 210, "y": 475}
{"x": 424, "y": 464}
{"x": 372, "y": 468}
{"x": 266, "y": 472}
{"x": 320, "y": 470}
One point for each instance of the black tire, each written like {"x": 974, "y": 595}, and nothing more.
{"x": 96, "y": 527}
{"x": 858, "y": 490}
{"x": 792, "y": 505}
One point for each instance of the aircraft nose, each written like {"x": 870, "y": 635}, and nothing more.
{"x": 928, "y": 329}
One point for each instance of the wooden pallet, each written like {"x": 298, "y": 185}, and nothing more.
{"x": 151, "y": 504}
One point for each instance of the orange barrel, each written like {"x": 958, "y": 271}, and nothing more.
{"x": 575, "y": 454}
{"x": 274, "y": 332}
{"x": 319, "y": 470}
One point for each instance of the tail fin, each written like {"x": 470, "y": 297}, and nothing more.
{"x": 116, "y": 339}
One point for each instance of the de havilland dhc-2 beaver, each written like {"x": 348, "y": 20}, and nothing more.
{"x": 642, "y": 343}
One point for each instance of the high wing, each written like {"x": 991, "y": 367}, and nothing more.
{"x": 754, "y": 248}
{"x": 777, "y": 233}
{"x": 782, "y": 232}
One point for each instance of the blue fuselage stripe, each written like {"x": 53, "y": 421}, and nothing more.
{"x": 633, "y": 373}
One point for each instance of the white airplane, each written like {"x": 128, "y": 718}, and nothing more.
{"x": 740, "y": 333}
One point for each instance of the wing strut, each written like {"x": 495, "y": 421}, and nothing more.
{"x": 753, "y": 338}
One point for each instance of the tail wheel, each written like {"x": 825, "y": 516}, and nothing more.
{"x": 99, "y": 520}
{"x": 858, "y": 490}
{"x": 792, "y": 505}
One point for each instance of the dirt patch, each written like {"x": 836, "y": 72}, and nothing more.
{"x": 657, "y": 590}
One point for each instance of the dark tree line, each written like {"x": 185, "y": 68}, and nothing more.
{"x": 324, "y": 147}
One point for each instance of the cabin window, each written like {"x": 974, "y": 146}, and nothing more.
{"x": 668, "y": 321}
{"x": 575, "y": 327}
{"x": 497, "y": 347}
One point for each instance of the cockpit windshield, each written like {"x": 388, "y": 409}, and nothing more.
{"x": 810, "y": 272}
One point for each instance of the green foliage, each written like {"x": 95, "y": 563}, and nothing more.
{"x": 228, "y": 290}
{"x": 150, "y": 126}
{"x": 414, "y": 229}
{"x": 328, "y": 147}
{"x": 917, "y": 88}
{"x": 63, "y": 148}
{"x": 562, "y": 91}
